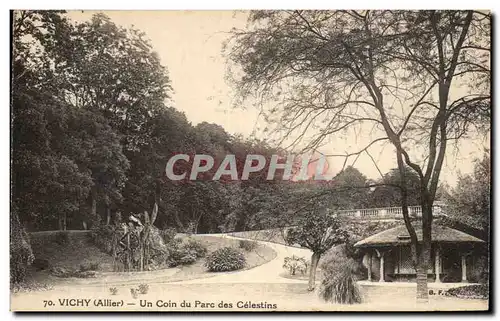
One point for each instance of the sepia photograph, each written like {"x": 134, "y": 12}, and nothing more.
{"x": 250, "y": 160}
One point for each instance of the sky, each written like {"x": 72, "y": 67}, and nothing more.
{"x": 190, "y": 43}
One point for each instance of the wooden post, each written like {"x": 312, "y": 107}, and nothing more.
{"x": 380, "y": 254}
{"x": 464, "y": 269}
{"x": 382, "y": 279}
{"x": 370, "y": 255}
{"x": 437, "y": 264}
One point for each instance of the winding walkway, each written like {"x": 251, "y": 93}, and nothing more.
{"x": 266, "y": 273}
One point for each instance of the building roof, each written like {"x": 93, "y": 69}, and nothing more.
{"x": 399, "y": 235}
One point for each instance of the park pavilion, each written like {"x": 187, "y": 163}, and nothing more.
{"x": 454, "y": 255}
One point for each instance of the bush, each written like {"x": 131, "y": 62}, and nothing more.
{"x": 225, "y": 259}
{"x": 40, "y": 264}
{"x": 340, "y": 254}
{"x": 168, "y": 234}
{"x": 62, "y": 272}
{"x": 195, "y": 247}
{"x": 480, "y": 273}
{"x": 114, "y": 291}
{"x": 62, "y": 237}
{"x": 339, "y": 283}
{"x": 21, "y": 255}
{"x": 185, "y": 253}
{"x": 294, "y": 264}
{"x": 143, "y": 288}
{"x": 89, "y": 266}
{"x": 85, "y": 274}
{"x": 248, "y": 245}
{"x": 476, "y": 291}
{"x": 179, "y": 255}
{"x": 102, "y": 237}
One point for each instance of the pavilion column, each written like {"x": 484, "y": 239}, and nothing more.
{"x": 437, "y": 264}
{"x": 381, "y": 256}
{"x": 382, "y": 268}
{"x": 464, "y": 269}
{"x": 370, "y": 255}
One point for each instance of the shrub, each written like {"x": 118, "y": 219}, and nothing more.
{"x": 113, "y": 291}
{"x": 339, "y": 283}
{"x": 294, "y": 264}
{"x": 178, "y": 255}
{"x": 185, "y": 253}
{"x": 21, "y": 255}
{"x": 248, "y": 245}
{"x": 195, "y": 247}
{"x": 475, "y": 291}
{"x": 89, "y": 266}
{"x": 40, "y": 264}
{"x": 85, "y": 274}
{"x": 177, "y": 258}
{"x": 62, "y": 237}
{"x": 338, "y": 255}
{"x": 480, "y": 273}
{"x": 143, "y": 288}
{"x": 225, "y": 259}
{"x": 168, "y": 234}
{"x": 102, "y": 237}
{"x": 62, "y": 272}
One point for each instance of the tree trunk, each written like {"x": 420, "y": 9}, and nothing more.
{"x": 128, "y": 260}
{"x": 312, "y": 272}
{"x": 114, "y": 245}
{"x": 108, "y": 215}
{"x": 93, "y": 195}
{"x": 425, "y": 252}
{"x": 422, "y": 289}
{"x": 62, "y": 222}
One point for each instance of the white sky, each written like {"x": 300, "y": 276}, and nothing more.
{"x": 189, "y": 44}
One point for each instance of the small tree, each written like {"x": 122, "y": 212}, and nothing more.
{"x": 318, "y": 232}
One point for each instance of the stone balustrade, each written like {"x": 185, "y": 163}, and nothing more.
{"x": 385, "y": 212}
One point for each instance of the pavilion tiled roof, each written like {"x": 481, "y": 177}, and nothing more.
{"x": 399, "y": 235}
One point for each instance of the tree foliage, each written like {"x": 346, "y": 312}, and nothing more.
{"x": 419, "y": 80}
{"x": 470, "y": 201}
{"x": 93, "y": 128}
{"x": 317, "y": 231}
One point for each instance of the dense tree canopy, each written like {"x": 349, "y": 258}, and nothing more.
{"x": 93, "y": 130}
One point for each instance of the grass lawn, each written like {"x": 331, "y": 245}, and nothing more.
{"x": 79, "y": 249}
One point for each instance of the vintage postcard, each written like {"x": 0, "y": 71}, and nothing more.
{"x": 250, "y": 161}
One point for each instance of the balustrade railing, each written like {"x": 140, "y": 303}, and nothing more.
{"x": 384, "y": 212}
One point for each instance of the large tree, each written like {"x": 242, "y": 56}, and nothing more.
{"x": 418, "y": 80}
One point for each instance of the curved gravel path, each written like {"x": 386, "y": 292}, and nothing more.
{"x": 266, "y": 273}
